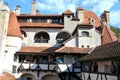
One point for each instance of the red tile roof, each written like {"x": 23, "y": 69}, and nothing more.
{"x": 107, "y": 35}
{"x": 73, "y": 50}
{"x": 40, "y": 15}
{"x": 90, "y": 14}
{"x": 79, "y": 8}
{"x": 41, "y": 25}
{"x": 13, "y": 27}
{"x": 109, "y": 51}
{"x": 42, "y": 50}
{"x": 68, "y": 12}
{"x": 38, "y": 50}
{"x": 7, "y": 76}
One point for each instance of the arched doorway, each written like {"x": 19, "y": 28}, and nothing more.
{"x": 27, "y": 77}
{"x": 50, "y": 77}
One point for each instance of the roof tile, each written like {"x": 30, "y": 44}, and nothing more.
{"x": 68, "y": 12}
{"x": 41, "y": 25}
{"x": 73, "y": 50}
{"x": 38, "y": 50}
{"x": 13, "y": 27}
{"x": 7, "y": 76}
{"x": 90, "y": 14}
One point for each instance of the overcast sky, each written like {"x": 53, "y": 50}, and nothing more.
{"x": 59, "y": 6}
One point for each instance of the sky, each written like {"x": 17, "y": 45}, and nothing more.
{"x": 59, "y": 6}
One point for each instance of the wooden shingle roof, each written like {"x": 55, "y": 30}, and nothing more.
{"x": 104, "y": 52}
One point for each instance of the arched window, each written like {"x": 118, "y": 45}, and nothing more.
{"x": 62, "y": 36}
{"x": 23, "y": 33}
{"x": 42, "y": 37}
{"x": 85, "y": 34}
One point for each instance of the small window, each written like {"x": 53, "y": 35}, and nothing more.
{"x": 88, "y": 46}
{"x": 14, "y": 69}
{"x": 92, "y": 21}
{"x": 82, "y": 46}
{"x": 68, "y": 16}
{"x": 60, "y": 59}
{"x": 15, "y": 58}
{"x": 85, "y": 34}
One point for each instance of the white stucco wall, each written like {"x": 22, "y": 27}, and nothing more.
{"x": 32, "y": 31}
{"x": 93, "y": 40}
{"x": 4, "y": 19}
{"x": 70, "y": 24}
{"x": 13, "y": 44}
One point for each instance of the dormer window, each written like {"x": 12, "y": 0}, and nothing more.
{"x": 41, "y": 37}
{"x": 85, "y": 34}
{"x": 92, "y": 21}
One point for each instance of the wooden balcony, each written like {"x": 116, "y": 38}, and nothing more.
{"x": 49, "y": 67}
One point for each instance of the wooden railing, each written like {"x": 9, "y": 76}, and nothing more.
{"x": 99, "y": 76}
{"x": 48, "y": 67}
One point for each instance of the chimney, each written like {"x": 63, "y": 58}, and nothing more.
{"x": 106, "y": 17}
{"x": 80, "y": 14}
{"x": 33, "y": 9}
{"x": 17, "y": 10}
{"x": 1, "y": 3}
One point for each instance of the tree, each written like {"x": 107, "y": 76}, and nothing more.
{"x": 116, "y": 30}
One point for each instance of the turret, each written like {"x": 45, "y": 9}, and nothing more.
{"x": 4, "y": 18}
{"x": 33, "y": 9}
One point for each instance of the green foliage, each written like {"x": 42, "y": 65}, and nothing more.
{"x": 116, "y": 30}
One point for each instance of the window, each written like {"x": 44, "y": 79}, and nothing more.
{"x": 60, "y": 59}
{"x": 23, "y": 33}
{"x": 35, "y": 20}
{"x": 22, "y": 20}
{"x": 62, "y": 36}
{"x": 43, "y": 20}
{"x": 15, "y": 57}
{"x": 85, "y": 34}
{"x": 41, "y": 37}
{"x": 14, "y": 69}
{"x": 92, "y": 21}
{"x": 55, "y": 21}
{"x": 68, "y": 16}
{"x": 68, "y": 59}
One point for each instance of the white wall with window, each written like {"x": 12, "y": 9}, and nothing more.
{"x": 88, "y": 37}
{"x": 31, "y": 36}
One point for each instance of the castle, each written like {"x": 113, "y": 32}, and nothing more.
{"x": 39, "y": 46}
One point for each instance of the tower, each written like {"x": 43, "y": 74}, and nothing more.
{"x": 4, "y": 18}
